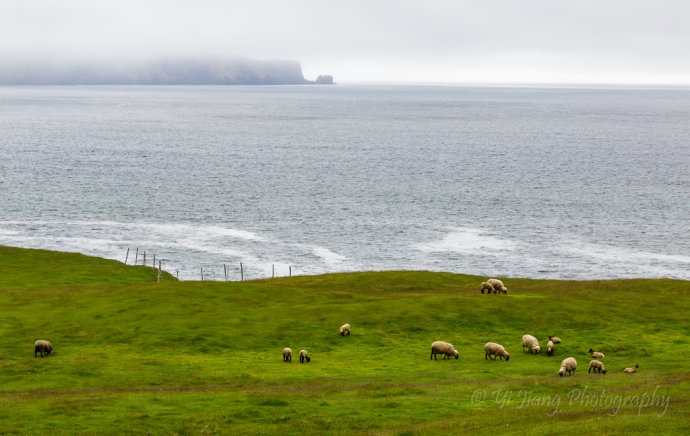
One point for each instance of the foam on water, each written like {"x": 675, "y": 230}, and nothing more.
{"x": 467, "y": 240}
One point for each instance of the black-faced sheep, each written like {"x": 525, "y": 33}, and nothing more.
{"x": 440, "y": 347}
{"x": 304, "y": 356}
{"x": 555, "y": 340}
{"x": 596, "y": 354}
{"x": 43, "y": 347}
{"x": 494, "y": 349}
{"x": 486, "y": 286}
{"x": 498, "y": 286}
{"x": 287, "y": 354}
{"x": 568, "y": 366}
{"x": 631, "y": 370}
{"x": 345, "y": 330}
{"x": 530, "y": 342}
{"x": 549, "y": 348}
{"x": 597, "y": 366}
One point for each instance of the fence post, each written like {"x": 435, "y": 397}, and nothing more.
{"x": 136, "y": 256}
{"x": 127, "y": 256}
{"x": 241, "y": 272}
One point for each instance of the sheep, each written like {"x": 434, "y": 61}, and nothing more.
{"x": 597, "y": 366}
{"x": 632, "y": 370}
{"x": 596, "y": 354}
{"x": 440, "y": 347}
{"x": 345, "y": 328}
{"x": 549, "y": 348}
{"x": 42, "y": 346}
{"x": 498, "y": 286}
{"x": 555, "y": 339}
{"x": 532, "y": 343}
{"x": 494, "y": 349}
{"x": 486, "y": 286}
{"x": 304, "y": 356}
{"x": 287, "y": 354}
{"x": 568, "y": 366}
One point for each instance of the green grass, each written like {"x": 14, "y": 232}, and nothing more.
{"x": 135, "y": 356}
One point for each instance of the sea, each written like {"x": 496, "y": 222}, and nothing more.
{"x": 253, "y": 182}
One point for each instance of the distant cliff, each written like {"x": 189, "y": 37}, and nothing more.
{"x": 210, "y": 71}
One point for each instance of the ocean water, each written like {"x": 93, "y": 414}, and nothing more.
{"x": 567, "y": 183}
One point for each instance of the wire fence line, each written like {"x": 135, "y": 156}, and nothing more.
{"x": 140, "y": 259}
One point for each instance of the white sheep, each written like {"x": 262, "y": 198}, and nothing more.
{"x": 549, "y": 348}
{"x": 555, "y": 339}
{"x": 597, "y": 366}
{"x": 287, "y": 354}
{"x": 486, "y": 286}
{"x": 531, "y": 343}
{"x": 345, "y": 329}
{"x": 42, "y": 346}
{"x": 596, "y": 354}
{"x": 632, "y": 370}
{"x": 304, "y": 356}
{"x": 494, "y": 349}
{"x": 440, "y": 347}
{"x": 568, "y": 366}
{"x": 498, "y": 286}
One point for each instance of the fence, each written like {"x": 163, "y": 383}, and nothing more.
{"x": 227, "y": 271}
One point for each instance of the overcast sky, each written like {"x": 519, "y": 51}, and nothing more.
{"x": 461, "y": 41}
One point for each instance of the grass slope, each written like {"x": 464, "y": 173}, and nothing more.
{"x": 132, "y": 355}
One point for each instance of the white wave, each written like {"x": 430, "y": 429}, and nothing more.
{"x": 328, "y": 256}
{"x": 466, "y": 240}
{"x": 614, "y": 253}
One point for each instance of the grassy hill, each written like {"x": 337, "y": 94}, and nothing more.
{"x": 133, "y": 355}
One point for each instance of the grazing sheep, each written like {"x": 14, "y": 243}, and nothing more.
{"x": 287, "y": 354}
{"x": 345, "y": 329}
{"x": 632, "y": 370}
{"x": 42, "y": 346}
{"x": 498, "y": 286}
{"x": 597, "y": 366}
{"x": 486, "y": 286}
{"x": 440, "y": 347}
{"x": 304, "y": 356}
{"x": 555, "y": 339}
{"x": 532, "y": 343}
{"x": 494, "y": 349}
{"x": 568, "y": 366}
{"x": 549, "y": 348}
{"x": 596, "y": 354}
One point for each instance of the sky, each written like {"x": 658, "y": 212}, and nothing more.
{"x": 376, "y": 41}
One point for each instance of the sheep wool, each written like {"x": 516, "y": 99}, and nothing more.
{"x": 568, "y": 366}
{"x": 345, "y": 329}
{"x": 597, "y": 366}
{"x": 531, "y": 343}
{"x": 498, "y": 286}
{"x": 549, "y": 348}
{"x": 631, "y": 370}
{"x": 43, "y": 347}
{"x": 287, "y": 354}
{"x": 440, "y": 347}
{"x": 486, "y": 286}
{"x": 304, "y": 356}
{"x": 555, "y": 339}
{"x": 596, "y": 354}
{"x": 496, "y": 350}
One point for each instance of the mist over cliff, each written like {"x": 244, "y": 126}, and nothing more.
{"x": 168, "y": 71}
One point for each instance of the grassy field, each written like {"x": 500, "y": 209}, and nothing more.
{"x": 135, "y": 356}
